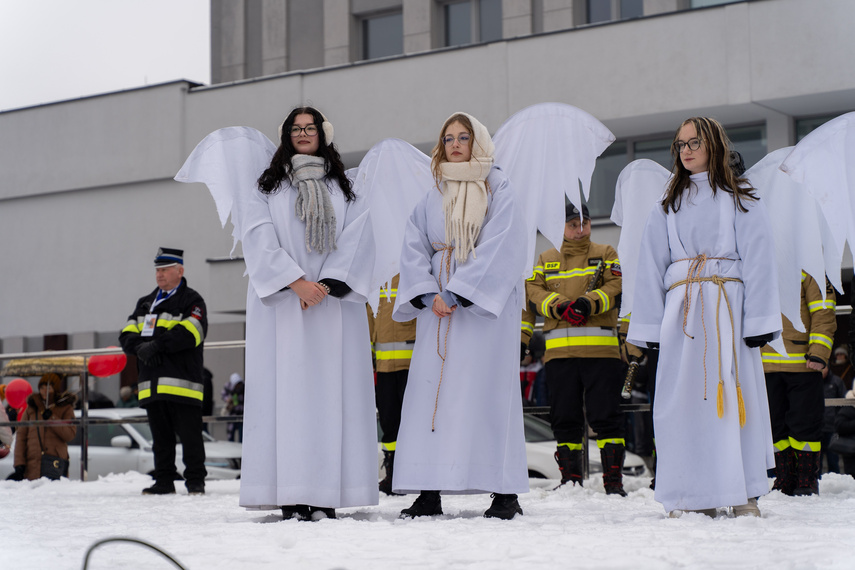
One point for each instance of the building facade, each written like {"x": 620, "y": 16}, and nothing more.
{"x": 87, "y": 196}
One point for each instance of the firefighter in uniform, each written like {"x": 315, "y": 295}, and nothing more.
{"x": 577, "y": 291}
{"x": 794, "y": 385}
{"x": 166, "y": 333}
{"x": 392, "y": 346}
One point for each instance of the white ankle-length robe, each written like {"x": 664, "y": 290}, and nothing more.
{"x": 704, "y": 461}
{"x": 310, "y": 431}
{"x": 477, "y": 444}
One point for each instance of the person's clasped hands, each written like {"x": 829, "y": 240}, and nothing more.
{"x": 310, "y": 292}
{"x": 575, "y": 312}
{"x": 150, "y": 353}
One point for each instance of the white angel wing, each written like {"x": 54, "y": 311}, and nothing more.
{"x": 797, "y": 227}
{"x": 547, "y": 150}
{"x": 639, "y": 188}
{"x": 824, "y": 161}
{"x": 394, "y": 176}
{"x": 229, "y": 161}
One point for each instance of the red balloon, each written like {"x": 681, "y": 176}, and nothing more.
{"x": 106, "y": 364}
{"x": 17, "y": 392}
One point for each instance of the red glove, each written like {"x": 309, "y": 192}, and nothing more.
{"x": 575, "y": 313}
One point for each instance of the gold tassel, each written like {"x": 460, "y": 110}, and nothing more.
{"x": 741, "y": 406}
{"x": 719, "y": 404}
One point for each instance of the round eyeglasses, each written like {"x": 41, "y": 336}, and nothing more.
{"x": 310, "y": 130}
{"x": 693, "y": 144}
{"x": 463, "y": 139}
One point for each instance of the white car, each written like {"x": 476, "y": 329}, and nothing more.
{"x": 117, "y": 448}
{"x": 540, "y": 446}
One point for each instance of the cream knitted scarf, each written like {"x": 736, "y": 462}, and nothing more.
{"x": 313, "y": 204}
{"x": 464, "y": 193}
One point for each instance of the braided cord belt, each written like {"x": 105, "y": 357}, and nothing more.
{"x": 696, "y": 266}
{"x": 445, "y": 266}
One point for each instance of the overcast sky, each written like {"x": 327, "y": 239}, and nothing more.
{"x": 53, "y": 50}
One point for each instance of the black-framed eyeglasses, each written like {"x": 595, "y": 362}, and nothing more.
{"x": 462, "y": 138}
{"x": 693, "y": 144}
{"x": 310, "y": 130}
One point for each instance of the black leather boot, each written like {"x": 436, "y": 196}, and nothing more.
{"x": 570, "y": 464}
{"x": 785, "y": 471}
{"x": 612, "y": 456}
{"x": 388, "y": 465}
{"x": 504, "y": 507}
{"x": 427, "y": 504}
{"x": 806, "y": 473}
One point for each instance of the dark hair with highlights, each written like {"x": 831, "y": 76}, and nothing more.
{"x": 722, "y": 175}
{"x": 280, "y": 165}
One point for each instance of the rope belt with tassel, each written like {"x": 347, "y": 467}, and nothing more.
{"x": 696, "y": 266}
{"x": 444, "y": 265}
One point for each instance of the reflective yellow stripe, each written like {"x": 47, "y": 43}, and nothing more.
{"x": 133, "y": 327}
{"x": 822, "y": 304}
{"x": 604, "y": 300}
{"x": 572, "y": 446}
{"x": 821, "y": 339}
{"x": 601, "y": 443}
{"x": 391, "y": 294}
{"x": 527, "y": 327}
{"x": 179, "y": 391}
{"x": 389, "y": 446}
{"x": 538, "y": 270}
{"x": 394, "y": 354}
{"x": 805, "y": 445}
{"x": 581, "y": 341}
{"x": 191, "y": 326}
{"x": 571, "y": 273}
{"x": 544, "y": 306}
{"x": 782, "y": 444}
{"x": 143, "y": 394}
{"x": 775, "y": 358}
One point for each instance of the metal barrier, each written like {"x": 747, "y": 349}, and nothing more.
{"x": 85, "y": 421}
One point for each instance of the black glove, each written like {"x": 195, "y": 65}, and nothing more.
{"x": 47, "y": 414}
{"x": 18, "y": 474}
{"x": 575, "y": 313}
{"x": 653, "y": 345}
{"x": 149, "y": 353}
{"x": 338, "y": 288}
{"x": 818, "y": 360}
{"x": 758, "y": 341}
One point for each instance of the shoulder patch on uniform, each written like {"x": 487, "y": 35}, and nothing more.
{"x": 552, "y": 266}
{"x": 615, "y": 267}
{"x": 197, "y": 312}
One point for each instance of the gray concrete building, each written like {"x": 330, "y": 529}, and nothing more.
{"x": 87, "y": 196}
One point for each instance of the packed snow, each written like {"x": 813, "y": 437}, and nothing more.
{"x": 53, "y": 524}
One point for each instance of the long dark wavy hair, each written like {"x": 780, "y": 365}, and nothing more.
{"x": 280, "y": 165}
{"x": 721, "y": 175}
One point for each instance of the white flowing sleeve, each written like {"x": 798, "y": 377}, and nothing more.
{"x": 490, "y": 275}
{"x": 416, "y": 279}
{"x": 654, "y": 258}
{"x": 762, "y": 308}
{"x": 353, "y": 259}
{"x": 269, "y": 266}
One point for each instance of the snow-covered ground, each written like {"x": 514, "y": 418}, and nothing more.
{"x": 51, "y": 525}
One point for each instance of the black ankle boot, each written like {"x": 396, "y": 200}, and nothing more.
{"x": 504, "y": 507}
{"x": 612, "y": 456}
{"x": 570, "y": 464}
{"x": 427, "y": 504}
{"x": 299, "y": 512}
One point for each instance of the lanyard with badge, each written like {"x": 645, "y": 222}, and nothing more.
{"x": 150, "y": 320}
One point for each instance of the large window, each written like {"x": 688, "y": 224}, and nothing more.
{"x": 382, "y": 35}
{"x": 606, "y": 10}
{"x": 805, "y": 126}
{"x": 471, "y": 21}
{"x": 606, "y": 172}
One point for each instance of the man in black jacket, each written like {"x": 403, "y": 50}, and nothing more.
{"x": 166, "y": 333}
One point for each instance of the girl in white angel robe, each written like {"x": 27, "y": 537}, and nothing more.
{"x": 310, "y": 434}
{"x": 461, "y": 424}
{"x": 705, "y": 329}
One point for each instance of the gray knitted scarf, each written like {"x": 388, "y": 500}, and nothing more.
{"x": 313, "y": 204}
